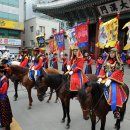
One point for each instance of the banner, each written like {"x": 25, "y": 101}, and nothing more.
{"x": 127, "y": 46}
{"x": 82, "y": 35}
{"x": 71, "y": 37}
{"x": 108, "y": 34}
{"x": 11, "y": 25}
{"x": 40, "y": 40}
{"x": 59, "y": 37}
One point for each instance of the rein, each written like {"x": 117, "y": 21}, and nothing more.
{"x": 93, "y": 109}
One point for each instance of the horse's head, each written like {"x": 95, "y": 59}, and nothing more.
{"x": 41, "y": 89}
{"x": 85, "y": 99}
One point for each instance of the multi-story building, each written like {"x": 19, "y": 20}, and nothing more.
{"x": 38, "y": 23}
{"x": 11, "y": 24}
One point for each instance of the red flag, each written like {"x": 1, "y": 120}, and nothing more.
{"x": 51, "y": 45}
{"x": 82, "y": 35}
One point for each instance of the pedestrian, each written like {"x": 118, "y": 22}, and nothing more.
{"x": 5, "y": 108}
{"x": 55, "y": 61}
{"x": 65, "y": 61}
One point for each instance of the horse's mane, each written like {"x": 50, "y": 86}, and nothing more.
{"x": 18, "y": 69}
{"x": 96, "y": 91}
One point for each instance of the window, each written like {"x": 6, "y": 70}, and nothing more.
{"x": 41, "y": 29}
{"x": 31, "y": 28}
{"x": 32, "y": 43}
{"x": 23, "y": 43}
{"x": 8, "y": 16}
{"x": 13, "y": 3}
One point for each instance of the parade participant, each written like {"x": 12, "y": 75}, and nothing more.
{"x": 65, "y": 61}
{"x": 55, "y": 61}
{"x": 45, "y": 64}
{"x": 75, "y": 68}
{"x": 50, "y": 58}
{"x": 5, "y": 55}
{"x": 104, "y": 55}
{"x": 36, "y": 67}
{"x": 123, "y": 57}
{"x": 111, "y": 74}
{"x": 89, "y": 61}
{"x": 99, "y": 63}
{"x": 5, "y": 108}
{"x": 24, "y": 58}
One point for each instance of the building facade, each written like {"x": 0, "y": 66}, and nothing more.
{"x": 37, "y": 23}
{"x": 11, "y": 24}
{"x": 37, "y": 26}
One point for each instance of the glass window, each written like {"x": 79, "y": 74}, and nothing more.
{"x": 31, "y": 28}
{"x": 41, "y": 29}
{"x": 14, "y": 3}
{"x": 13, "y": 17}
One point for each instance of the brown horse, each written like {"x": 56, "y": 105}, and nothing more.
{"x": 61, "y": 85}
{"x": 20, "y": 74}
{"x": 93, "y": 102}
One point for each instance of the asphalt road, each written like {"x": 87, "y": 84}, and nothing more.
{"x": 47, "y": 116}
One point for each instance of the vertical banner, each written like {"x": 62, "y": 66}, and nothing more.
{"x": 51, "y": 45}
{"x": 127, "y": 46}
{"x": 108, "y": 33}
{"x": 82, "y": 35}
{"x": 59, "y": 37}
{"x": 40, "y": 40}
{"x": 71, "y": 37}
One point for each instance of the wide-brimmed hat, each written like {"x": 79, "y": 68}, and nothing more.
{"x": 113, "y": 50}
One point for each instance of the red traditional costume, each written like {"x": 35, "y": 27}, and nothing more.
{"x": 113, "y": 70}
{"x": 24, "y": 61}
{"x": 5, "y": 108}
{"x": 78, "y": 78}
{"x": 55, "y": 61}
{"x": 65, "y": 61}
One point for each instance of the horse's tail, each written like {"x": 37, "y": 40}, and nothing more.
{"x": 122, "y": 114}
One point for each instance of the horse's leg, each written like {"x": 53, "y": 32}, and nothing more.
{"x": 16, "y": 90}
{"x": 68, "y": 113}
{"x": 51, "y": 92}
{"x": 103, "y": 122}
{"x": 30, "y": 97}
{"x": 56, "y": 97}
{"x": 93, "y": 121}
{"x": 64, "y": 111}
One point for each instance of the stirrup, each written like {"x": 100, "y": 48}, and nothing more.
{"x": 117, "y": 115}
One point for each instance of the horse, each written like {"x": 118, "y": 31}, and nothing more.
{"x": 60, "y": 83}
{"x": 93, "y": 102}
{"x": 20, "y": 75}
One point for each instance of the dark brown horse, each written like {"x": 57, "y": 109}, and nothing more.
{"x": 93, "y": 102}
{"x": 20, "y": 75}
{"x": 61, "y": 85}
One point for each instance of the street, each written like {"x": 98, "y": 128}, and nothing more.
{"x": 47, "y": 116}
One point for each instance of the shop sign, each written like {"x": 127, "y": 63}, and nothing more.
{"x": 114, "y": 7}
{"x": 15, "y": 42}
{"x": 11, "y": 25}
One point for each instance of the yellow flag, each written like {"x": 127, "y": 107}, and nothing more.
{"x": 108, "y": 33}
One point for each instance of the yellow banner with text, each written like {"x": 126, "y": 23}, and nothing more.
{"x": 11, "y": 24}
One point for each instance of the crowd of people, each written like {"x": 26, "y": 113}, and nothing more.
{"x": 109, "y": 69}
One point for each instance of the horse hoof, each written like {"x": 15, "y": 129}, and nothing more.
{"x": 47, "y": 101}
{"x": 67, "y": 126}
{"x": 29, "y": 107}
{"x": 62, "y": 121}
{"x": 86, "y": 118}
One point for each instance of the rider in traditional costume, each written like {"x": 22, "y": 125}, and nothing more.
{"x": 65, "y": 61}
{"x": 99, "y": 63}
{"x": 55, "y": 61}
{"x": 24, "y": 58}
{"x": 111, "y": 74}
{"x": 75, "y": 68}
{"x": 37, "y": 64}
{"x": 5, "y": 108}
